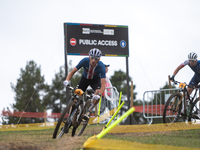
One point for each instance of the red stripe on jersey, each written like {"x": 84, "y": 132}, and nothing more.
{"x": 90, "y": 73}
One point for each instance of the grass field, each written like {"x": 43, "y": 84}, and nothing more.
{"x": 42, "y": 139}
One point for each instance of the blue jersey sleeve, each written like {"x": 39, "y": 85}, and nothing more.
{"x": 82, "y": 63}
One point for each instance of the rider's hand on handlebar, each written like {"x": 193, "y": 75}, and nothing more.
{"x": 66, "y": 82}
{"x": 96, "y": 97}
{"x": 172, "y": 78}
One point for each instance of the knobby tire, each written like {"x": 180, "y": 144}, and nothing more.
{"x": 86, "y": 107}
{"x": 62, "y": 118}
{"x": 170, "y": 106}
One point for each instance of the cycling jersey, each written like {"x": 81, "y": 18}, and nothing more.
{"x": 196, "y": 78}
{"x": 196, "y": 68}
{"x": 89, "y": 72}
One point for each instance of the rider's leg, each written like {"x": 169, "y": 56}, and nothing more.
{"x": 94, "y": 103}
{"x": 96, "y": 85}
{"x": 194, "y": 82}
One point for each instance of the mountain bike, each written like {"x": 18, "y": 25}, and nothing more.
{"x": 73, "y": 114}
{"x": 178, "y": 108}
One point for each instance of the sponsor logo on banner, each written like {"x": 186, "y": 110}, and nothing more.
{"x": 86, "y": 30}
{"x": 108, "y": 31}
{"x": 123, "y": 44}
{"x": 104, "y": 32}
{"x": 72, "y": 41}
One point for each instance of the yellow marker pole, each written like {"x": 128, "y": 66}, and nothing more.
{"x": 130, "y": 111}
{"x": 99, "y": 110}
{"x": 120, "y": 96}
{"x": 114, "y": 114}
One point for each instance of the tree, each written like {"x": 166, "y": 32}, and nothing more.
{"x": 56, "y": 96}
{"x": 120, "y": 82}
{"x": 56, "y": 93}
{"x": 29, "y": 93}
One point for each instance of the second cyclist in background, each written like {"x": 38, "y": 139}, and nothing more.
{"x": 93, "y": 75}
{"x": 194, "y": 64}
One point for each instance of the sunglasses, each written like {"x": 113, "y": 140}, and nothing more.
{"x": 96, "y": 58}
{"x": 191, "y": 61}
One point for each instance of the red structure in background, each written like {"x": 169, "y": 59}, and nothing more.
{"x": 153, "y": 109}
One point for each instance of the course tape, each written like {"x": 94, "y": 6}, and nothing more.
{"x": 34, "y": 126}
{"x": 40, "y": 126}
{"x": 95, "y": 143}
{"x": 155, "y": 127}
{"x": 117, "y": 129}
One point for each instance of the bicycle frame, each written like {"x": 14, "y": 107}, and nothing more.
{"x": 182, "y": 106}
{"x": 186, "y": 98}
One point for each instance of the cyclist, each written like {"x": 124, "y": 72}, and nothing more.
{"x": 93, "y": 75}
{"x": 194, "y": 64}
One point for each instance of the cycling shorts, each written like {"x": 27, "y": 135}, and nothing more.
{"x": 94, "y": 83}
{"x": 195, "y": 80}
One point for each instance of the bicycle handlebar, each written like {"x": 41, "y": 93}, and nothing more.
{"x": 72, "y": 88}
{"x": 190, "y": 86}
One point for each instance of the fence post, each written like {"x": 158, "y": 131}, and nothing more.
{"x": 169, "y": 83}
{"x": 45, "y": 117}
{"x": 131, "y": 94}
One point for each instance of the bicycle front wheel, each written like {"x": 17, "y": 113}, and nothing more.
{"x": 84, "y": 122}
{"x": 64, "y": 123}
{"x": 172, "y": 109}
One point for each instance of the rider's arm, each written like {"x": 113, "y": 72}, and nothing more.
{"x": 70, "y": 75}
{"x": 177, "y": 69}
{"x": 103, "y": 85}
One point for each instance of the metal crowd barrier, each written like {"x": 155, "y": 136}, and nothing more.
{"x": 154, "y": 102}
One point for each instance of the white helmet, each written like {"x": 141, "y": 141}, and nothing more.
{"x": 95, "y": 52}
{"x": 192, "y": 56}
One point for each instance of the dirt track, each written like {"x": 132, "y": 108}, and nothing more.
{"x": 44, "y": 141}
{"x": 34, "y": 142}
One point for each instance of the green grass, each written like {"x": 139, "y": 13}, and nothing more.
{"x": 185, "y": 138}
{"x": 43, "y": 138}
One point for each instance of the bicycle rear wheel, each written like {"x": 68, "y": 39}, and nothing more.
{"x": 194, "y": 111}
{"x": 83, "y": 121}
{"x": 64, "y": 123}
{"x": 172, "y": 109}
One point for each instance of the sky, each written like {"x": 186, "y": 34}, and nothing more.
{"x": 161, "y": 35}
